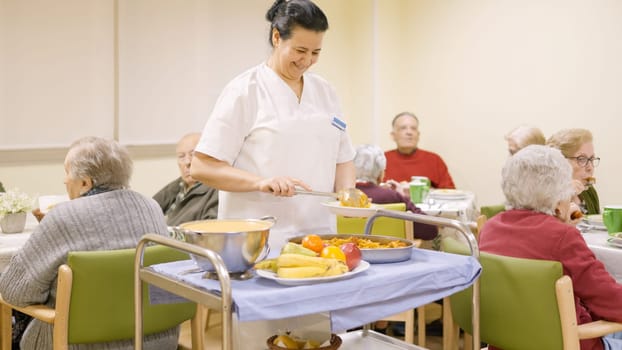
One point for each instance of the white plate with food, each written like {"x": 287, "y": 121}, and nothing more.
{"x": 615, "y": 242}
{"x": 363, "y": 266}
{"x": 336, "y": 208}
{"x": 46, "y": 203}
{"x": 595, "y": 222}
{"x": 447, "y": 194}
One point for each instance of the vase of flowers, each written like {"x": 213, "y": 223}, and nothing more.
{"x": 14, "y": 206}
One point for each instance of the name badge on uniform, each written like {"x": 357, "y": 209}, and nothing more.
{"x": 338, "y": 123}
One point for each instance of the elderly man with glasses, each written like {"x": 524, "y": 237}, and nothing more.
{"x": 578, "y": 147}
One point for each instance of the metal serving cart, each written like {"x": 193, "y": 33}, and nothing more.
{"x": 222, "y": 300}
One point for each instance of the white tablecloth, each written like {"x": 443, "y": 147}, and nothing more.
{"x": 610, "y": 256}
{"x": 10, "y": 243}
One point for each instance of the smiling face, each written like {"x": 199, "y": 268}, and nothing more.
{"x": 406, "y": 133}
{"x": 292, "y": 57}
{"x": 582, "y": 172}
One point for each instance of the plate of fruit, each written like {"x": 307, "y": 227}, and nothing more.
{"x": 312, "y": 262}
{"x": 301, "y": 279}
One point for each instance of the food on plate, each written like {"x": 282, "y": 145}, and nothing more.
{"x": 333, "y": 252}
{"x": 589, "y": 180}
{"x": 295, "y": 248}
{"x": 364, "y": 243}
{"x": 289, "y": 341}
{"x": 285, "y": 341}
{"x": 302, "y": 266}
{"x": 301, "y": 272}
{"x": 353, "y": 197}
{"x": 311, "y": 344}
{"x": 313, "y": 242}
{"x": 268, "y": 264}
{"x": 296, "y": 261}
{"x": 577, "y": 214}
{"x": 353, "y": 254}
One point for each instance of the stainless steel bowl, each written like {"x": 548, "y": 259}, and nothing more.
{"x": 239, "y": 242}
{"x": 376, "y": 255}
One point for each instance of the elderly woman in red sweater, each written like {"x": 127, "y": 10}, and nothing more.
{"x": 537, "y": 183}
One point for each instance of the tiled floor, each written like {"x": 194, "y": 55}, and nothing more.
{"x": 213, "y": 337}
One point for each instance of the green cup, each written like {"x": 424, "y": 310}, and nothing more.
{"x": 421, "y": 179}
{"x": 612, "y": 218}
{"x": 418, "y": 191}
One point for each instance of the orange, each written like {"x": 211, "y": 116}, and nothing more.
{"x": 313, "y": 242}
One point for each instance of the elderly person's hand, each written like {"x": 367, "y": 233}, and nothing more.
{"x": 569, "y": 212}
{"x": 576, "y": 215}
{"x": 392, "y": 184}
{"x": 403, "y": 188}
{"x": 578, "y": 186}
{"x": 38, "y": 214}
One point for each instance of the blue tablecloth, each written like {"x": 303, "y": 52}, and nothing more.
{"x": 381, "y": 291}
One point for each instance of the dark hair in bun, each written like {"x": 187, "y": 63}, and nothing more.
{"x": 284, "y": 15}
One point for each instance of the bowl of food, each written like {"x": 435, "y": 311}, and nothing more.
{"x": 239, "y": 242}
{"x": 375, "y": 249}
{"x": 282, "y": 342}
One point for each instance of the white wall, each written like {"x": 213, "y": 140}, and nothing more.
{"x": 470, "y": 69}
{"x": 479, "y": 68}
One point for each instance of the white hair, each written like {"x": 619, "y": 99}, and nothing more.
{"x": 536, "y": 178}
{"x": 370, "y": 162}
{"x": 105, "y": 161}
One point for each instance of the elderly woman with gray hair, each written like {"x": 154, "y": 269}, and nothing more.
{"x": 370, "y": 163}
{"x": 537, "y": 184}
{"x": 103, "y": 214}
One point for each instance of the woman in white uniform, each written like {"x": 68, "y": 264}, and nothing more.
{"x": 276, "y": 127}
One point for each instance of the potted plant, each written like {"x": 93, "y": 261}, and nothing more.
{"x": 14, "y": 205}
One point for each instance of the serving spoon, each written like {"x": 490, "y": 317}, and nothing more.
{"x": 349, "y": 197}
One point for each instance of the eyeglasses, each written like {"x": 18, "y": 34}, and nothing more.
{"x": 583, "y": 160}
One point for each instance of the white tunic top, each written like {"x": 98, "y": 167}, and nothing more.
{"x": 258, "y": 125}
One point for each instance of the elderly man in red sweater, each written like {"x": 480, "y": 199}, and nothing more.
{"x": 407, "y": 160}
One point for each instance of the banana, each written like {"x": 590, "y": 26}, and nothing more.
{"x": 337, "y": 268}
{"x": 268, "y": 264}
{"x": 295, "y": 260}
{"x": 301, "y": 271}
{"x": 302, "y": 266}
{"x": 295, "y": 248}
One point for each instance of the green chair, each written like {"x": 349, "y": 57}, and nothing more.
{"x": 95, "y": 300}
{"x": 491, "y": 210}
{"x": 382, "y": 226}
{"x": 524, "y": 304}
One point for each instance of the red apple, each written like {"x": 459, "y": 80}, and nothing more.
{"x": 353, "y": 255}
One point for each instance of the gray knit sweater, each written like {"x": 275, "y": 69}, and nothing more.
{"x": 110, "y": 220}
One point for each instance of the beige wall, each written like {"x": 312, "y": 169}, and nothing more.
{"x": 470, "y": 69}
